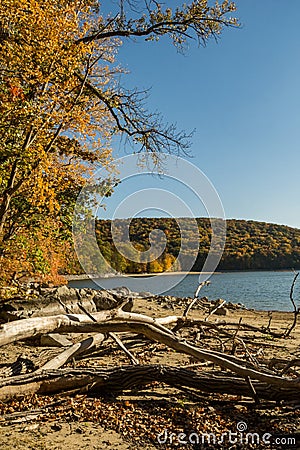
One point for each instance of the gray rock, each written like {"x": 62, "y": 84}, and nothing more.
{"x": 62, "y": 300}
{"x": 144, "y": 294}
{"x": 221, "y": 311}
{"x": 122, "y": 290}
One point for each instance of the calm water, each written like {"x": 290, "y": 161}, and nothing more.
{"x": 259, "y": 290}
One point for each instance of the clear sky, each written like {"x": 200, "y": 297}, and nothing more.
{"x": 242, "y": 95}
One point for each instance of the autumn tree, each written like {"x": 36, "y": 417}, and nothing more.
{"x": 61, "y": 102}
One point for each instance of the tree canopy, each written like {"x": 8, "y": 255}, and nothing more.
{"x": 250, "y": 245}
{"x": 61, "y": 103}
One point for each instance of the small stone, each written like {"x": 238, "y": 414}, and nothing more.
{"x": 221, "y": 312}
{"x": 62, "y": 291}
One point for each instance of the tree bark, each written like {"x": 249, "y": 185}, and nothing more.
{"x": 7, "y": 196}
{"x": 122, "y": 378}
{"x": 81, "y": 323}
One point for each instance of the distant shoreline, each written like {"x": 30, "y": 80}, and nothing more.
{"x": 146, "y": 275}
{"x": 133, "y": 275}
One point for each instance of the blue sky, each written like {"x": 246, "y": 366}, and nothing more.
{"x": 242, "y": 96}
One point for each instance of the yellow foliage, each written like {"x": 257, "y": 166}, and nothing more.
{"x": 52, "y": 130}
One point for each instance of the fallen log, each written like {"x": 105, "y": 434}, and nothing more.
{"x": 71, "y": 352}
{"x": 64, "y": 323}
{"x": 122, "y": 378}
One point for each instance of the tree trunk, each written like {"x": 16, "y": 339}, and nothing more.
{"x": 127, "y": 377}
{"x": 7, "y": 196}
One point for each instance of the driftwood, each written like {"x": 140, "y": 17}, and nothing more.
{"x": 65, "y": 323}
{"x": 71, "y": 352}
{"x": 127, "y": 377}
{"x": 295, "y": 309}
{"x": 239, "y": 376}
{"x": 121, "y": 321}
{"x": 132, "y": 358}
{"x": 195, "y": 299}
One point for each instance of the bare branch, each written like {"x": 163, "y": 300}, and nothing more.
{"x": 296, "y": 310}
{"x": 147, "y": 130}
{"x": 196, "y": 298}
{"x": 125, "y": 350}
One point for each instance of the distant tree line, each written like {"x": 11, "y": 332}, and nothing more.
{"x": 250, "y": 245}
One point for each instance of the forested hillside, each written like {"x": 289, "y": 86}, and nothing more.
{"x": 249, "y": 244}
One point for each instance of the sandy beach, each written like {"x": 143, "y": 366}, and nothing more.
{"x": 133, "y": 420}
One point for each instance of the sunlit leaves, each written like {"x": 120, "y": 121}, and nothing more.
{"x": 52, "y": 130}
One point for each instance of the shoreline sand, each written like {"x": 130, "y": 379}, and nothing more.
{"x": 151, "y": 274}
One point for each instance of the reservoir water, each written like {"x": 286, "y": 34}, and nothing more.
{"x": 264, "y": 290}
